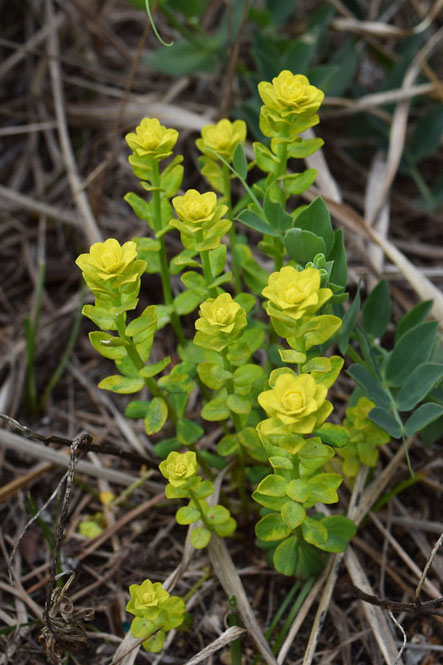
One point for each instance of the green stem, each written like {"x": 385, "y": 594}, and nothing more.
{"x": 207, "y": 272}
{"x": 164, "y": 268}
{"x": 292, "y": 614}
{"x": 235, "y": 646}
{"x": 139, "y": 364}
{"x": 199, "y": 503}
{"x": 232, "y": 233}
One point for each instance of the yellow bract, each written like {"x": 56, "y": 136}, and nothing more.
{"x": 151, "y": 139}
{"x": 111, "y": 262}
{"x": 146, "y": 599}
{"x": 295, "y": 293}
{"x": 177, "y": 468}
{"x": 221, "y": 315}
{"x": 291, "y": 95}
{"x": 296, "y": 401}
{"x": 200, "y": 220}
{"x": 223, "y": 138}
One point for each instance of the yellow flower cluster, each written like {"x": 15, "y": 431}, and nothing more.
{"x": 200, "y": 220}
{"x": 296, "y": 402}
{"x": 289, "y": 101}
{"x": 221, "y": 322}
{"x": 151, "y": 139}
{"x": 294, "y": 295}
{"x": 364, "y": 437}
{"x": 178, "y": 468}
{"x": 223, "y": 138}
{"x": 109, "y": 266}
{"x": 146, "y": 599}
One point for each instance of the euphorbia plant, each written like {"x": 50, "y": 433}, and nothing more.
{"x": 259, "y": 351}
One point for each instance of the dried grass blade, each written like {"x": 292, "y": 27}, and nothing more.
{"x": 225, "y": 638}
{"x": 231, "y": 583}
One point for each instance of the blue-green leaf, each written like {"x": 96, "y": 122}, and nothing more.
{"x": 422, "y": 379}
{"x": 384, "y": 420}
{"x": 239, "y": 161}
{"x": 377, "y": 310}
{"x": 373, "y": 389}
{"x": 253, "y": 221}
{"x": 413, "y": 349}
{"x": 425, "y": 415}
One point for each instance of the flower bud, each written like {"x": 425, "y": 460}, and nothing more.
{"x": 151, "y": 139}
{"x": 223, "y": 138}
{"x": 178, "y": 468}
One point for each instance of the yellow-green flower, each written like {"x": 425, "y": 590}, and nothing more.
{"x": 221, "y": 315}
{"x": 146, "y": 599}
{"x": 111, "y": 264}
{"x": 295, "y": 293}
{"x": 200, "y": 220}
{"x": 151, "y": 139}
{"x": 364, "y": 437}
{"x": 290, "y": 95}
{"x": 178, "y": 468}
{"x": 296, "y": 401}
{"x": 223, "y": 138}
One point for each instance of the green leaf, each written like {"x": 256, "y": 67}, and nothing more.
{"x": 182, "y": 58}
{"x": 217, "y": 259}
{"x": 266, "y": 160}
{"x": 302, "y": 246}
{"x": 334, "y": 435}
{"x": 370, "y": 386}
{"x": 187, "y": 515}
{"x": 273, "y": 485}
{"x": 285, "y": 556}
{"x": 418, "y": 384}
{"x": 239, "y": 161}
{"x": 414, "y": 348}
{"x": 276, "y": 215}
{"x": 246, "y": 300}
{"x": 216, "y": 409}
{"x": 340, "y": 531}
{"x": 213, "y": 375}
{"x": 271, "y": 502}
{"x": 293, "y": 514}
{"x": 304, "y": 148}
{"x": 188, "y": 432}
{"x": 136, "y": 409}
{"x": 348, "y": 323}
{"x": 245, "y": 377}
{"x": 339, "y": 271}
{"x": 238, "y": 404}
{"x": 319, "y": 329}
{"x": 205, "y": 489}
{"x": 316, "y": 218}
{"x": 163, "y": 448}
{"x": 143, "y": 325}
{"x": 151, "y": 370}
{"x": 383, "y": 419}
{"x": 141, "y": 207}
{"x": 217, "y": 515}
{"x": 297, "y": 183}
{"x": 312, "y": 456}
{"x": 171, "y": 179}
{"x": 417, "y": 315}
{"x": 314, "y": 532}
{"x": 253, "y": 221}
{"x": 195, "y": 282}
{"x": 377, "y": 310}
{"x": 228, "y": 445}
{"x": 108, "y": 345}
{"x": 121, "y": 384}
{"x": 141, "y": 627}
{"x": 156, "y": 416}
{"x": 186, "y": 302}
{"x": 148, "y": 250}
{"x": 155, "y": 643}
{"x": 226, "y": 528}
{"x": 101, "y": 317}
{"x": 423, "y": 416}
{"x": 200, "y": 537}
{"x": 272, "y": 527}
{"x": 292, "y": 356}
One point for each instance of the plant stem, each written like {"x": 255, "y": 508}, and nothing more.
{"x": 235, "y": 646}
{"x": 232, "y": 234}
{"x": 207, "y": 272}
{"x": 164, "y": 268}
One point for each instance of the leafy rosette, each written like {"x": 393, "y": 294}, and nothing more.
{"x": 221, "y": 322}
{"x": 364, "y": 438}
{"x": 179, "y": 468}
{"x": 155, "y": 613}
{"x": 112, "y": 272}
{"x": 295, "y": 402}
{"x": 152, "y": 140}
{"x": 200, "y": 220}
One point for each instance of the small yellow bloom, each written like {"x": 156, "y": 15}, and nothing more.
{"x": 200, "y": 220}
{"x": 178, "y": 468}
{"x": 106, "y": 497}
{"x": 296, "y": 401}
{"x": 146, "y": 599}
{"x": 291, "y": 95}
{"x": 223, "y": 138}
{"x": 110, "y": 262}
{"x": 151, "y": 139}
{"x": 295, "y": 293}
{"x": 221, "y": 315}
